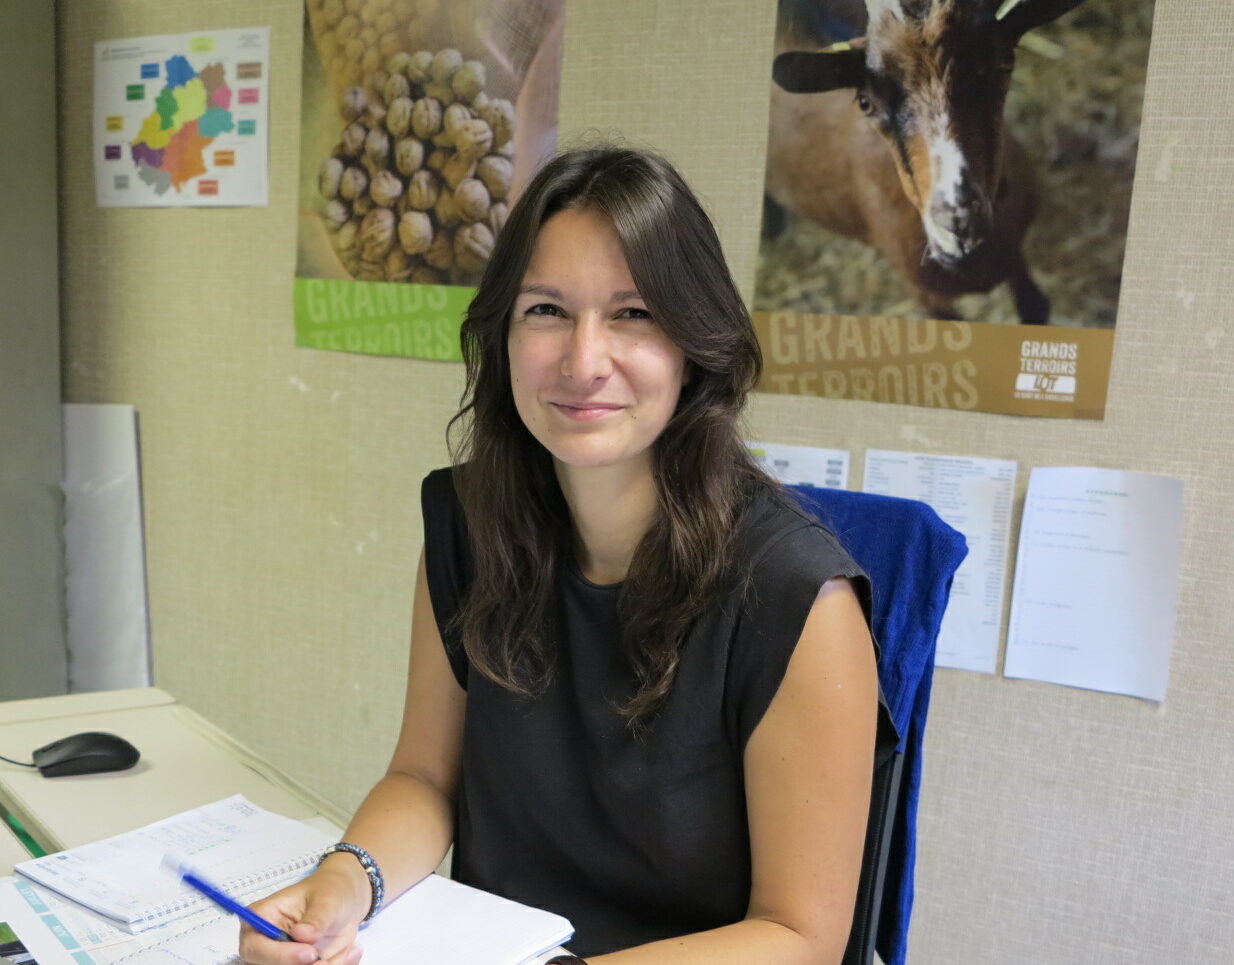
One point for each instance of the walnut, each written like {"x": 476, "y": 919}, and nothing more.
{"x": 468, "y": 80}
{"x": 445, "y": 210}
{"x": 473, "y": 139}
{"x": 440, "y": 253}
{"x": 426, "y": 117}
{"x": 332, "y": 12}
{"x": 496, "y": 219}
{"x": 377, "y": 146}
{"x": 408, "y": 155}
{"x": 423, "y": 275}
{"x": 499, "y": 113}
{"x": 335, "y": 215}
{"x": 471, "y": 200}
{"x": 479, "y": 102}
{"x": 420, "y": 67}
{"x": 439, "y": 91}
{"x": 328, "y": 177}
{"x": 473, "y": 245}
{"x": 423, "y": 190}
{"x": 398, "y": 116}
{"x": 376, "y": 234}
{"x": 345, "y": 238}
{"x": 396, "y": 86}
{"x": 437, "y": 159}
{"x": 353, "y": 139}
{"x": 355, "y": 100}
{"x": 369, "y": 271}
{"x": 457, "y": 169}
{"x": 399, "y": 63}
{"x": 375, "y": 114}
{"x": 347, "y": 28}
{"x": 415, "y": 232}
{"x": 353, "y": 183}
{"x": 397, "y": 265}
{"x": 454, "y": 116}
{"x": 362, "y": 205}
{"x": 496, "y": 172}
{"x": 377, "y": 84}
{"x": 386, "y": 189}
{"x": 445, "y": 62}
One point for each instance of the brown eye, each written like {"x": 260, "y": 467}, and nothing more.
{"x": 865, "y": 104}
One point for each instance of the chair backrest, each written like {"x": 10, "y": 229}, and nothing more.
{"x": 911, "y": 557}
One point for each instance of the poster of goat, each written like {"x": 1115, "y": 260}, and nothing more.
{"x": 946, "y": 199}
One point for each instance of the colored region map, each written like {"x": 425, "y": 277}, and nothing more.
{"x": 192, "y": 109}
{"x": 182, "y": 120}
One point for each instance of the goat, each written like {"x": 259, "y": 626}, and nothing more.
{"x": 919, "y": 163}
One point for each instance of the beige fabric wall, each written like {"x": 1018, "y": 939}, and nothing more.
{"x": 282, "y": 484}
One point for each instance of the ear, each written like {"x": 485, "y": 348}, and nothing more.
{"x": 813, "y": 72}
{"x": 1021, "y": 16}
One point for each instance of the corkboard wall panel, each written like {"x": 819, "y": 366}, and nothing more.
{"x": 281, "y": 484}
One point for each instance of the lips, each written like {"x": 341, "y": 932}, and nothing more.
{"x": 586, "y": 411}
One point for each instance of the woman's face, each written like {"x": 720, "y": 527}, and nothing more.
{"x": 594, "y": 377}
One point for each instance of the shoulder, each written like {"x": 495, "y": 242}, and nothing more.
{"x": 437, "y": 489}
{"x": 779, "y": 546}
{"x": 446, "y": 541}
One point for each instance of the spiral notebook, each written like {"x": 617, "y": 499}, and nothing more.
{"x": 232, "y": 842}
{"x": 436, "y": 921}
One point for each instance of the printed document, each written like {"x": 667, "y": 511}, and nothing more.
{"x": 1096, "y": 581}
{"x": 974, "y": 496}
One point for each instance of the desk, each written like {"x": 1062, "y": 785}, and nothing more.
{"x": 185, "y": 762}
{"x": 11, "y": 849}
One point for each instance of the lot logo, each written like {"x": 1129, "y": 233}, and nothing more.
{"x": 1047, "y": 371}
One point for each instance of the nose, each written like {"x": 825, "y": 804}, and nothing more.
{"x": 966, "y": 218}
{"x": 588, "y": 355}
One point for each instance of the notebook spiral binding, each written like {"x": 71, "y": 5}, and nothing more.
{"x": 232, "y": 886}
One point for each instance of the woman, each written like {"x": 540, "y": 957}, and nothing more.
{"x": 642, "y": 691}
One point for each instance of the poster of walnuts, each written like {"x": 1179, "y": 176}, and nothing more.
{"x": 421, "y": 122}
{"x": 946, "y": 199}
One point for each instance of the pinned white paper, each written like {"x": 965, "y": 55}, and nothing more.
{"x": 1096, "y": 583}
{"x": 975, "y": 497}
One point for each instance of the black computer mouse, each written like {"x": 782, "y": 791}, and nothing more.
{"x": 91, "y": 753}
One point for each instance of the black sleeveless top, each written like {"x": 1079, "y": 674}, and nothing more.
{"x": 561, "y": 807}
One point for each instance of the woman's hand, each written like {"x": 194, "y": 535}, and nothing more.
{"x": 323, "y": 911}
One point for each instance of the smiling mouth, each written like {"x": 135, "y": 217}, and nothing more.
{"x": 586, "y": 412}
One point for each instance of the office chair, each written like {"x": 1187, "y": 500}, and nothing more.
{"x": 911, "y": 557}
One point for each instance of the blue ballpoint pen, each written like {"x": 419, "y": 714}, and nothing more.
{"x": 227, "y": 903}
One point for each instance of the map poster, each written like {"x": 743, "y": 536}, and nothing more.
{"x": 420, "y": 124}
{"x": 182, "y": 119}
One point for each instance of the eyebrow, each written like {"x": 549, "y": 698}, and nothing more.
{"x": 548, "y": 291}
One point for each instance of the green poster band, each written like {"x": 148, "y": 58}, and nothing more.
{"x": 381, "y": 318}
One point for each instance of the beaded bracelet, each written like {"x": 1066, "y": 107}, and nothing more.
{"x": 376, "y": 879}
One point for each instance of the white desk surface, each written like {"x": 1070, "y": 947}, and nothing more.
{"x": 185, "y": 762}
{"x": 11, "y": 850}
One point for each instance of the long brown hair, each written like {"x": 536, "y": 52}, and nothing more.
{"x": 516, "y": 515}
